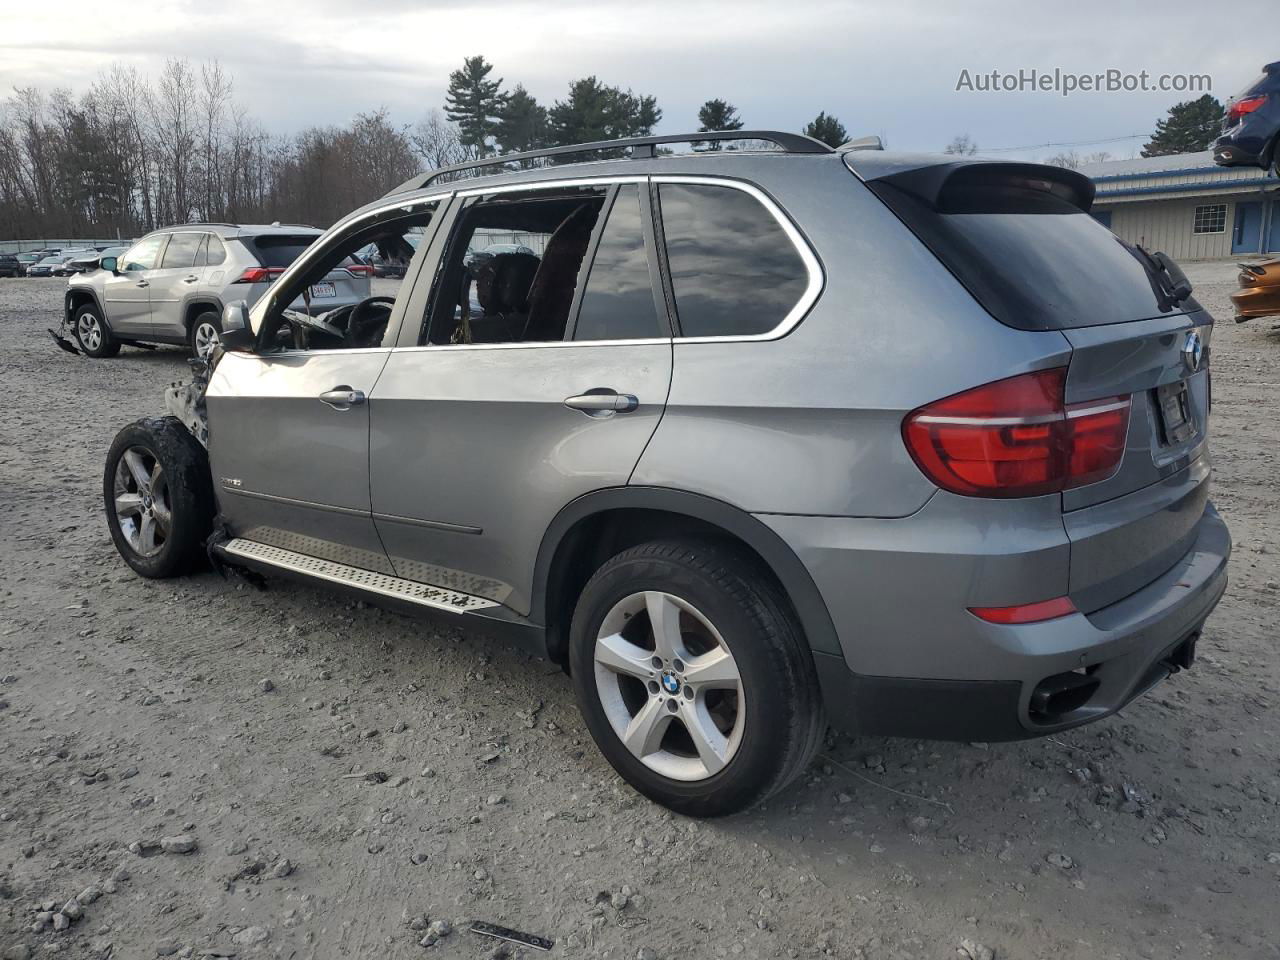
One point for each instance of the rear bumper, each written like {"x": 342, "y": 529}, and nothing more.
{"x": 1256, "y": 301}
{"x": 1245, "y": 145}
{"x": 1117, "y": 653}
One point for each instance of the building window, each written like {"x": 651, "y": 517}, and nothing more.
{"x": 1210, "y": 219}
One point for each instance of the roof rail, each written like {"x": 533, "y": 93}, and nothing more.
{"x": 199, "y": 223}
{"x": 641, "y": 148}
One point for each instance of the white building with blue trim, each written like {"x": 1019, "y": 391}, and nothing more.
{"x": 1188, "y": 206}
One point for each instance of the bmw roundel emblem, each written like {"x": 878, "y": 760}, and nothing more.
{"x": 670, "y": 683}
{"x": 1193, "y": 351}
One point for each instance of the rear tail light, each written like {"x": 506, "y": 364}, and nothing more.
{"x": 1241, "y": 107}
{"x": 1017, "y": 438}
{"x": 259, "y": 275}
{"x": 359, "y": 269}
{"x": 1026, "y": 612}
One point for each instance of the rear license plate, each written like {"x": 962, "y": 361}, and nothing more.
{"x": 1175, "y": 412}
{"x": 323, "y": 290}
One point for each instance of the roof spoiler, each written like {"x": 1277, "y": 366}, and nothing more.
{"x": 936, "y": 183}
{"x": 862, "y": 143}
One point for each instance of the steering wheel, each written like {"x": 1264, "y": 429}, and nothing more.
{"x": 361, "y": 326}
{"x": 299, "y": 319}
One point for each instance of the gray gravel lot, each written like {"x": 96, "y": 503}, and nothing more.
{"x": 232, "y": 721}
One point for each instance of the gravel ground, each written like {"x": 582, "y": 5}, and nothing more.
{"x": 140, "y": 719}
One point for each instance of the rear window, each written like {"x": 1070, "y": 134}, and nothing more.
{"x": 278, "y": 250}
{"x": 1030, "y": 255}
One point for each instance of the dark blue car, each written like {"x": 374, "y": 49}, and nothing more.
{"x": 1251, "y": 127}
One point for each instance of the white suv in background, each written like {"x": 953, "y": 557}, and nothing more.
{"x": 171, "y": 286}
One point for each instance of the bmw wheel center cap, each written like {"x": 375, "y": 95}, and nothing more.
{"x": 670, "y": 683}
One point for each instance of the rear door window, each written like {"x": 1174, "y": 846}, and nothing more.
{"x": 734, "y": 271}
{"x": 181, "y": 251}
{"x": 618, "y": 302}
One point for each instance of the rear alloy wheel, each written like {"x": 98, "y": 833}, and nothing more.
{"x": 659, "y": 665}
{"x": 158, "y": 496}
{"x": 93, "y": 335}
{"x": 203, "y": 335}
{"x": 693, "y": 676}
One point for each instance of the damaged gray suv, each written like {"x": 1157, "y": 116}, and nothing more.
{"x": 750, "y": 441}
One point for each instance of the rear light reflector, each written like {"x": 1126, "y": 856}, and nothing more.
{"x": 1017, "y": 438}
{"x": 1241, "y": 107}
{"x": 1026, "y": 612}
{"x": 259, "y": 275}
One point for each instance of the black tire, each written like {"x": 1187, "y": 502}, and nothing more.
{"x": 92, "y": 334}
{"x": 183, "y": 490}
{"x": 202, "y": 322}
{"x": 783, "y": 723}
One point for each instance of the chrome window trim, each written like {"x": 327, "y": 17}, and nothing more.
{"x": 533, "y": 345}
{"x": 817, "y": 279}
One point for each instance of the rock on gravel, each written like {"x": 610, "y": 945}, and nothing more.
{"x": 250, "y": 936}
{"x": 972, "y": 950}
{"x": 182, "y": 843}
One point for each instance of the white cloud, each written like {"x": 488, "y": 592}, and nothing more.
{"x": 882, "y": 68}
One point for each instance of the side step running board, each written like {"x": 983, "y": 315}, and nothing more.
{"x": 409, "y": 591}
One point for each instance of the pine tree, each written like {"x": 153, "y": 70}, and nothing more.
{"x": 594, "y": 111}
{"x": 522, "y": 124}
{"x": 827, "y": 129}
{"x": 718, "y": 115}
{"x": 475, "y": 103}
{"x": 1190, "y": 127}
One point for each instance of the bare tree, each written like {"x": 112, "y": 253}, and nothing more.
{"x": 215, "y": 98}
{"x": 437, "y": 141}
{"x": 961, "y": 145}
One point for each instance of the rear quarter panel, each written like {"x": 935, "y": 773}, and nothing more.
{"x": 810, "y": 423}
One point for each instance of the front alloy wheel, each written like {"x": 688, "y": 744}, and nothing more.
{"x": 142, "y": 502}
{"x": 158, "y": 497}
{"x": 92, "y": 334}
{"x": 669, "y": 686}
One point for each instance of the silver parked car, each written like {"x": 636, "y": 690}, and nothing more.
{"x": 171, "y": 285}
{"x": 756, "y": 442}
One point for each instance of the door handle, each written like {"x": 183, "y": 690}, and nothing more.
{"x": 190, "y": 279}
{"x": 144, "y": 283}
{"x": 602, "y": 402}
{"x": 342, "y": 398}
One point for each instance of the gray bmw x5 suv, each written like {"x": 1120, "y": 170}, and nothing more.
{"x": 749, "y": 441}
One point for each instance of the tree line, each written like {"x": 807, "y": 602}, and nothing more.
{"x": 133, "y": 153}
{"x": 1188, "y": 127}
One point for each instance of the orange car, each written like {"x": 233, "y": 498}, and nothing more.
{"x": 1259, "y": 293}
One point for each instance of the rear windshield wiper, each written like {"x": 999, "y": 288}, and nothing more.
{"x": 1167, "y": 278}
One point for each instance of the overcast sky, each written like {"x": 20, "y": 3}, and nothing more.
{"x": 888, "y": 68}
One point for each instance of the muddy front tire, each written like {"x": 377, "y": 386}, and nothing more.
{"x": 92, "y": 333}
{"x": 158, "y": 496}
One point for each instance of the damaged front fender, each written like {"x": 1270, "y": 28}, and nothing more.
{"x": 185, "y": 401}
